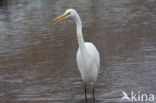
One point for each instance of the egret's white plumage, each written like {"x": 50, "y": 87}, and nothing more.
{"x": 88, "y": 59}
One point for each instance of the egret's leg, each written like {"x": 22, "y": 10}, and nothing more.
{"x": 93, "y": 94}
{"x": 85, "y": 93}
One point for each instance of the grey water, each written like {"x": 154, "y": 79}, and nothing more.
{"x": 38, "y": 58}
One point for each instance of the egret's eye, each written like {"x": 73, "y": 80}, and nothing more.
{"x": 68, "y": 13}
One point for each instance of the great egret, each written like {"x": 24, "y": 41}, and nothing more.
{"x": 88, "y": 59}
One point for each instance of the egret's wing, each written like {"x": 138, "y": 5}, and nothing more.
{"x": 94, "y": 53}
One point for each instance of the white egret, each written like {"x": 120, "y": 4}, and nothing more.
{"x": 88, "y": 59}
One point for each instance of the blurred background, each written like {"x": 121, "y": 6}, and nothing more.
{"x": 38, "y": 58}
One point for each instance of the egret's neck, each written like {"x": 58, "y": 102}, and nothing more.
{"x": 79, "y": 31}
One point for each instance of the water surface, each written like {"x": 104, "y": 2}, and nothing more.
{"x": 38, "y": 58}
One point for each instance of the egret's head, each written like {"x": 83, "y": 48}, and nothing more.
{"x": 66, "y": 14}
